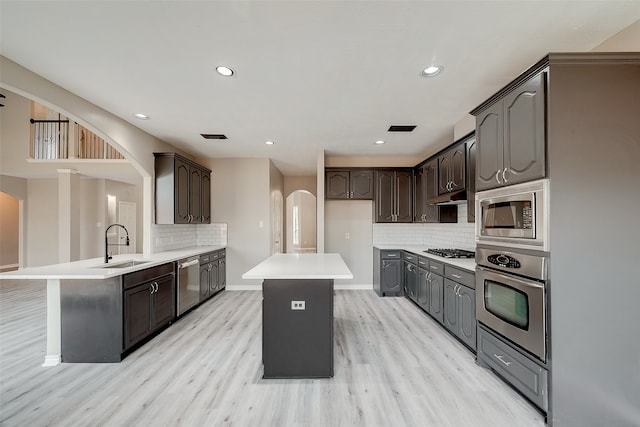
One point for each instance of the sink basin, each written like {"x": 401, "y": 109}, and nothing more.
{"x": 123, "y": 264}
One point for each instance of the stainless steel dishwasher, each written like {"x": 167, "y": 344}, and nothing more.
{"x": 188, "y": 283}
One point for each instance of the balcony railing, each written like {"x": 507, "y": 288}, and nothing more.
{"x": 50, "y": 141}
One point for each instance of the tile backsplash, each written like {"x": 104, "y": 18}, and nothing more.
{"x": 176, "y": 236}
{"x": 460, "y": 235}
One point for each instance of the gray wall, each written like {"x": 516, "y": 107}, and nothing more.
{"x": 594, "y": 158}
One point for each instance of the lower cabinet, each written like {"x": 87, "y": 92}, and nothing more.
{"x": 213, "y": 273}
{"x": 149, "y": 300}
{"x": 460, "y": 311}
{"x": 387, "y": 272}
{"x": 445, "y": 292}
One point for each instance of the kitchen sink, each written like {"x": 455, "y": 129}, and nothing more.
{"x": 123, "y": 264}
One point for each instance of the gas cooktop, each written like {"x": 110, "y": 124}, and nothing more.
{"x": 452, "y": 253}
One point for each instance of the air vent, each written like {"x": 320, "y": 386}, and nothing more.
{"x": 213, "y": 136}
{"x": 401, "y": 128}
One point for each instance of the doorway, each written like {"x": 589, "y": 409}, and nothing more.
{"x": 10, "y": 236}
{"x": 127, "y": 217}
{"x": 301, "y": 222}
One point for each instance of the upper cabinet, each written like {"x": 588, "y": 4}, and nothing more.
{"x": 182, "y": 190}
{"x": 394, "y": 196}
{"x": 511, "y": 136}
{"x": 426, "y": 188}
{"x": 349, "y": 184}
{"x": 471, "y": 179}
{"x": 452, "y": 167}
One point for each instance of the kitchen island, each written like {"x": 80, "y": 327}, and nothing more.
{"x": 297, "y": 313}
{"x": 74, "y": 286}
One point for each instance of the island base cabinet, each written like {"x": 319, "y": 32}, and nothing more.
{"x": 297, "y": 328}
{"x": 91, "y": 321}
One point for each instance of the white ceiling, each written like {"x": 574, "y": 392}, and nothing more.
{"x": 311, "y": 75}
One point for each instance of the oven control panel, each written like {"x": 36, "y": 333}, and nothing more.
{"x": 504, "y": 261}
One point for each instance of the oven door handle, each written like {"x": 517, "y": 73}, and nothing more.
{"x": 516, "y": 282}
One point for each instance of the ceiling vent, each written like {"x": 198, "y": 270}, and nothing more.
{"x": 401, "y": 128}
{"x": 213, "y": 136}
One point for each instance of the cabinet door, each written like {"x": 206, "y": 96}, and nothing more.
{"x": 410, "y": 281}
{"x": 489, "y": 137}
{"x": 163, "y": 302}
{"x": 205, "y": 275}
{"x": 458, "y": 167}
{"x": 337, "y": 185}
{"x": 419, "y": 194}
{"x": 206, "y": 198}
{"x": 195, "y": 194}
{"x": 137, "y": 314}
{"x": 222, "y": 273}
{"x": 444, "y": 173}
{"x": 404, "y": 196}
{"x": 361, "y": 183}
{"x": 391, "y": 277}
{"x": 436, "y": 287}
{"x": 450, "y": 306}
{"x": 385, "y": 201}
{"x": 431, "y": 211}
{"x": 471, "y": 180}
{"x": 213, "y": 277}
{"x": 467, "y": 316}
{"x": 182, "y": 203}
{"x": 423, "y": 289}
{"x": 524, "y": 132}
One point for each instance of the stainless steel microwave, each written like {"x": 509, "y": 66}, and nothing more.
{"x": 514, "y": 216}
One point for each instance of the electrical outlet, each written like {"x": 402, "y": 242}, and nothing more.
{"x": 347, "y": 236}
{"x": 297, "y": 305}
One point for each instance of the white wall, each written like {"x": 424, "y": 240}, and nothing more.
{"x": 240, "y": 194}
{"x": 42, "y": 217}
{"x": 9, "y": 232}
{"x": 92, "y": 218}
{"x": 356, "y": 218}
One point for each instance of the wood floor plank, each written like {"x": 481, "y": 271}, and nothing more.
{"x": 394, "y": 365}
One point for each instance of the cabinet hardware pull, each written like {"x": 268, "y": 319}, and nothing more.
{"x": 498, "y": 177}
{"x": 456, "y": 276}
{"x": 504, "y": 175}
{"x": 156, "y": 283}
{"x": 500, "y": 358}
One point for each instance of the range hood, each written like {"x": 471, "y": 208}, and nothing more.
{"x": 453, "y": 198}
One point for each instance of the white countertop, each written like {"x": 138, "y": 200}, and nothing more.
{"x": 95, "y": 268}
{"x": 468, "y": 264}
{"x": 300, "y": 266}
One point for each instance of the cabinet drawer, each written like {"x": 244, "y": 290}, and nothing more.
{"x": 526, "y": 376}
{"x": 391, "y": 254}
{"x": 423, "y": 262}
{"x": 408, "y": 256}
{"x": 461, "y": 276}
{"x": 204, "y": 259}
{"x": 436, "y": 267}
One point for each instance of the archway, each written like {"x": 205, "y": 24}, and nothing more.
{"x": 301, "y": 222}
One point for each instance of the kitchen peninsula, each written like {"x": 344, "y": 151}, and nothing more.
{"x": 87, "y": 306}
{"x": 297, "y": 313}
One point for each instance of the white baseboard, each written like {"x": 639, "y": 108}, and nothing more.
{"x": 350, "y": 287}
{"x": 52, "y": 360}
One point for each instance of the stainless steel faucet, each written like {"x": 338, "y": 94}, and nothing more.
{"x": 106, "y": 241}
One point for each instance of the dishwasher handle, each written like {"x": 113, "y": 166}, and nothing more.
{"x": 189, "y": 263}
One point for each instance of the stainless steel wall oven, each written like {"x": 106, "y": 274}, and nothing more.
{"x": 511, "y": 296}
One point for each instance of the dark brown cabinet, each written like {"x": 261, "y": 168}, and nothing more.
{"x": 182, "y": 190}
{"x": 394, "y": 196}
{"x": 148, "y": 301}
{"x": 471, "y": 179}
{"x": 511, "y": 136}
{"x": 452, "y": 167}
{"x": 387, "y": 272}
{"x": 213, "y": 273}
{"x": 426, "y": 188}
{"x": 349, "y": 184}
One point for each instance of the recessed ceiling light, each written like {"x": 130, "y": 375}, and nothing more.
{"x": 269, "y": 142}
{"x": 432, "y": 71}
{"x": 141, "y": 116}
{"x": 225, "y": 71}
{"x": 379, "y": 142}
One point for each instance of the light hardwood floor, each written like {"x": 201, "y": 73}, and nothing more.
{"x": 394, "y": 366}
